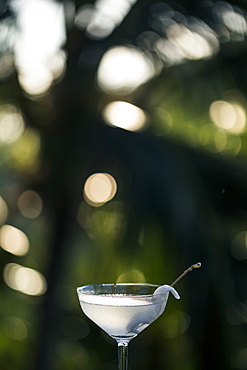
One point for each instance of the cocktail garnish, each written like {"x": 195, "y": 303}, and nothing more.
{"x": 166, "y": 288}
{"x": 196, "y": 265}
{"x": 169, "y": 288}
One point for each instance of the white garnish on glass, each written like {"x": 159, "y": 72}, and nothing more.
{"x": 167, "y": 288}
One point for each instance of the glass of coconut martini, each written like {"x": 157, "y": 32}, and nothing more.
{"x": 124, "y": 310}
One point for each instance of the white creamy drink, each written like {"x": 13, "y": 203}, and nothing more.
{"x": 123, "y": 316}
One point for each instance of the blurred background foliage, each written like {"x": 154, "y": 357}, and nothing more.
{"x": 123, "y": 158}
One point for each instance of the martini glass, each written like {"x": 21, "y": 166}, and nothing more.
{"x": 122, "y": 311}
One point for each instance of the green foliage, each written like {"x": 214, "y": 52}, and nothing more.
{"x": 181, "y": 198}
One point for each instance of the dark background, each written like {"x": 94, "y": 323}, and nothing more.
{"x": 181, "y": 195}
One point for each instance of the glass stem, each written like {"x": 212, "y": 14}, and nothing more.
{"x": 122, "y": 356}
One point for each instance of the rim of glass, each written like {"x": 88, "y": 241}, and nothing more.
{"x": 79, "y": 289}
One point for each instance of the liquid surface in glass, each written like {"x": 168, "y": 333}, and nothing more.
{"x": 123, "y": 316}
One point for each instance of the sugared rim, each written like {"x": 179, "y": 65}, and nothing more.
{"x": 79, "y": 289}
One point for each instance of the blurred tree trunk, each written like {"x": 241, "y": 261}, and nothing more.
{"x": 66, "y": 155}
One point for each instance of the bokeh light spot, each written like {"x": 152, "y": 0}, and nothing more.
{"x": 100, "y": 27}
{"x": 26, "y": 149}
{"x": 14, "y": 328}
{"x": 227, "y": 145}
{"x": 229, "y": 116}
{"x": 130, "y": 276}
{"x": 30, "y": 204}
{"x": 37, "y": 42}
{"x": 240, "y": 122}
{"x": 239, "y": 246}
{"x": 99, "y": 189}
{"x": 220, "y": 140}
{"x": 168, "y": 52}
{"x": 24, "y": 279}
{"x": 124, "y": 115}
{"x": 68, "y": 349}
{"x": 84, "y": 15}
{"x": 192, "y": 44}
{"x": 163, "y": 120}
{"x": 3, "y": 211}
{"x": 37, "y": 80}
{"x": 13, "y": 240}
{"x": 57, "y": 64}
{"x": 72, "y": 351}
{"x": 176, "y": 324}
{"x": 103, "y": 17}
{"x": 207, "y": 137}
{"x": 123, "y": 69}
{"x": 234, "y": 21}
{"x": 11, "y": 124}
